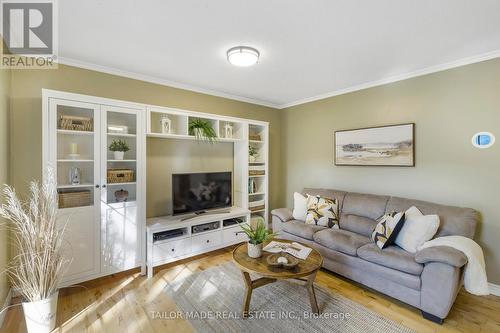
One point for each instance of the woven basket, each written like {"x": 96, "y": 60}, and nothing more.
{"x": 257, "y": 208}
{"x": 256, "y": 172}
{"x": 74, "y": 199}
{"x": 120, "y": 176}
{"x": 74, "y": 123}
{"x": 254, "y": 137}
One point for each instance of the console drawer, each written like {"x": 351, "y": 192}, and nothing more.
{"x": 205, "y": 241}
{"x": 168, "y": 250}
{"x": 233, "y": 235}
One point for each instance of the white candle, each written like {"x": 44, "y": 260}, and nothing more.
{"x": 73, "y": 148}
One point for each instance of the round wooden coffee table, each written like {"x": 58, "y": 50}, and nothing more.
{"x": 305, "y": 271}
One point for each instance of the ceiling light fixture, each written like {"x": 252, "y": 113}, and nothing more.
{"x": 242, "y": 56}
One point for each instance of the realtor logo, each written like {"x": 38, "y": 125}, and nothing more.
{"x": 29, "y": 33}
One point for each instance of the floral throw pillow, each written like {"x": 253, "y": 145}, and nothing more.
{"x": 387, "y": 229}
{"x": 322, "y": 211}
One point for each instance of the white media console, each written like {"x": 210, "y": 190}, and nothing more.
{"x": 186, "y": 237}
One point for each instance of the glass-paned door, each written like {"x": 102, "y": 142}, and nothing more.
{"x": 119, "y": 150}
{"x": 119, "y": 178}
{"x": 73, "y": 151}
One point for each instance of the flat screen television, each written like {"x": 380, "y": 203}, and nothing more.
{"x": 199, "y": 192}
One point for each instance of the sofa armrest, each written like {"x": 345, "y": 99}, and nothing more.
{"x": 442, "y": 254}
{"x": 439, "y": 289}
{"x": 284, "y": 214}
{"x": 279, "y": 217}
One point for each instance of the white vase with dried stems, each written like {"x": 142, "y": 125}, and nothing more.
{"x": 38, "y": 265}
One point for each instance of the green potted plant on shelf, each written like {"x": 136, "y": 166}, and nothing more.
{"x": 256, "y": 236}
{"x": 202, "y": 130}
{"x": 38, "y": 266}
{"x": 119, "y": 148}
{"x": 252, "y": 154}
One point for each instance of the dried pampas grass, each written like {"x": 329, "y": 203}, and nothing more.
{"x": 38, "y": 266}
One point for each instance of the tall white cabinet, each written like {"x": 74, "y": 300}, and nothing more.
{"x": 103, "y": 216}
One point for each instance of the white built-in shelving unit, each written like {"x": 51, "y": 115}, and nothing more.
{"x": 248, "y": 190}
{"x": 105, "y": 236}
{"x": 258, "y": 178}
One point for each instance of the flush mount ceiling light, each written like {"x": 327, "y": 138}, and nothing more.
{"x": 242, "y": 56}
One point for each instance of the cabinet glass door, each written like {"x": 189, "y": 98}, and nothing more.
{"x": 73, "y": 150}
{"x": 119, "y": 175}
{"x": 119, "y": 150}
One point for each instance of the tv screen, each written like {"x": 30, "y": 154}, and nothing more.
{"x": 197, "y": 192}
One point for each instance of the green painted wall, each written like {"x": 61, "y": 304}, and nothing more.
{"x": 448, "y": 108}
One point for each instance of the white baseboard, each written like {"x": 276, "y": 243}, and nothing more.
{"x": 5, "y": 304}
{"x": 494, "y": 289}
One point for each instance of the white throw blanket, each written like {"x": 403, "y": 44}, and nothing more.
{"x": 475, "y": 280}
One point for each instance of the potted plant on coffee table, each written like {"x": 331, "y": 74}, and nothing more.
{"x": 119, "y": 148}
{"x": 256, "y": 236}
{"x": 202, "y": 130}
{"x": 38, "y": 266}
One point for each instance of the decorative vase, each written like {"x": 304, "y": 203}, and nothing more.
{"x": 40, "y": 316}
{"x": 228, "y": 131}
{"x": 119, "y": 155}
{"x": 74, "y": 176}
{"x": 251, "y": 158}
{"x": 166, "y": 124}
{"x": 198, "y": 132}
{"x": 254, "y": 250}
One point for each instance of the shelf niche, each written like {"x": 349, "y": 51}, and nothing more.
{"x": 179, "y": 123}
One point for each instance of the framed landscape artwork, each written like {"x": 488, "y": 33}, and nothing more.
{"x": 392, "y": 145}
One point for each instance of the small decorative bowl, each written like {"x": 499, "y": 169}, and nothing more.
{"x": 291, "y": 261}
{"x": 121, "y": 195}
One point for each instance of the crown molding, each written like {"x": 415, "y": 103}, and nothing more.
{"x": 371, "y": 84}
{"x": 160, "y": 81}
{"x": 400, "y": 77}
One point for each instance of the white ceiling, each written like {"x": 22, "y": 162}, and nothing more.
{"x": 309, "y": 49}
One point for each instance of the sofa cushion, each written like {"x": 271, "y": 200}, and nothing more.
{"x": 387, "y": 229}
{"x": 300, "y": 229}
{"x": 393, "y": 257}
{"x": 357, "y": 224}
{"x": 332, "y": 194}
{"x": 453, "y": 220}
{"x": 417, "y": 230}
{"x": 366, "y": 205}
{"x": 341, "y": 240}
{"x": 299, "y": 206}
{"x": 322, "y": 211}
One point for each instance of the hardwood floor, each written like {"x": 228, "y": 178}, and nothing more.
{"x": 124, "y": 303}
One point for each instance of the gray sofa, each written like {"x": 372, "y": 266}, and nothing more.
{"x": 429, "y": 280}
